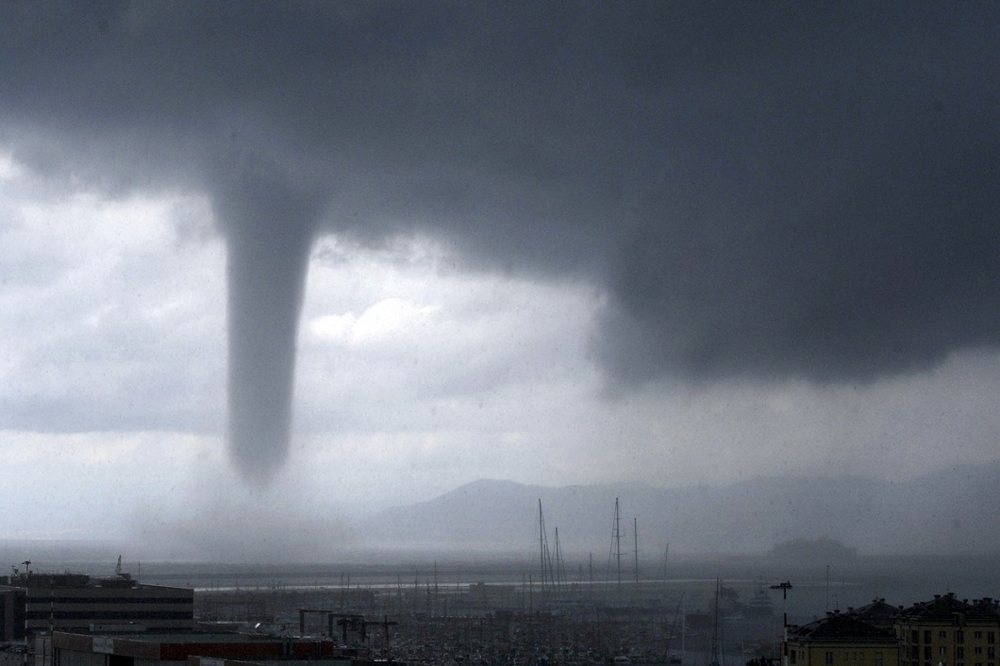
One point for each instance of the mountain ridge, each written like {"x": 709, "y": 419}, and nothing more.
{"x": 948, "y": 511}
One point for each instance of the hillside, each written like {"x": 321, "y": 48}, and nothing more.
{"x": 947, "y": 512}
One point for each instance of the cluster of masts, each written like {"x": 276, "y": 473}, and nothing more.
{"x": 550, "y": 573}
{"x": 551, "y": 565}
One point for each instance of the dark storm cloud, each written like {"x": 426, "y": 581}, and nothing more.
{"x": 765, "y": 189}
{"x": 884, "y": 273}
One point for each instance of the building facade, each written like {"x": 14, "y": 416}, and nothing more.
{"x": 175, "y": 649}
{"x": 945, "y": 631}
{"x": 11, "y": 613}
{"x": 34, "y": 603}
{"x": 842, "y": 640}
{"x": 949, "y": 632}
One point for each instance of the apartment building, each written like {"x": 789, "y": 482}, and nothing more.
{"x": 947, "y": 631}
{"x": 840, "y": 639}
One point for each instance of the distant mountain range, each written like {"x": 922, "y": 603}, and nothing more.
{"x": 948, "y": 512}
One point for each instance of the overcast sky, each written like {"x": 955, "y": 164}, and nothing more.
{"x": 678, "y": 243}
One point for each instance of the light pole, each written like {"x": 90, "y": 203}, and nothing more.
{"x": 784, "y": 587}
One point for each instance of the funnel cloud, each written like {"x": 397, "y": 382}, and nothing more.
{"x": 761, "y": 192}
{"x": 268, "y": 227}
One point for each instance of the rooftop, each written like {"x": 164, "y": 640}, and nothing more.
{"x": 878, "y": 612}
{"x": 946, "y": 607}
{"x": 841, "y": 627}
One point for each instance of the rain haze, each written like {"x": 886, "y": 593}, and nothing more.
{"x": 271, "y": 267}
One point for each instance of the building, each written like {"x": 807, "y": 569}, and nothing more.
{"x": 176, "y": 649}
{"x": 32, "y": 603}
{"x": 949, "y": 632}
{"x": 11, "y": 613}
{"x": 15, "y": 654}
{"x": 878, "y": 614}
{"x": 945, "y": 631}
{"x": 337, "y": 660}
{"x": 842, "y": 640}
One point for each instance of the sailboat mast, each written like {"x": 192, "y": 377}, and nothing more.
{"x": 715, "y": 626}
{"x": 557, "y": 579}
{"x": 541, "y": 543}
{"x": 635, "y": 536}
{"x": 590, "y": 573}
{"x": 618, "y": 547}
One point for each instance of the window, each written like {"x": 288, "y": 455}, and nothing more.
{"x": 959, "y": 636}
{"x": 978, "y": 634}
{"x": 927, "y": 652}
{"x": 991, "y": 637}
{"x": 978, "y": 649}
{"x": 878, "y": 659}
{"x": 792, "y": 656}
{"x": 942, "y": 634}
{"x": 829, "y": 658}
{"x": 991, "y": 653}
{"x": 927, "y": 635}
{"x": 914, "y": 636}
{"x": 942, "y": 650}
{"x": 959, "y": 652}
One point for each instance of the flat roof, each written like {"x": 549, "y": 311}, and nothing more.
{"x": 325, "y": 660}
{"x": 178, "y": 636}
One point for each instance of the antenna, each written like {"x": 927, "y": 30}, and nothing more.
{"x": 827, "y": 600}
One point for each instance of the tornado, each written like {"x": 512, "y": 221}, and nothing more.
{"x": 268, "y": 225}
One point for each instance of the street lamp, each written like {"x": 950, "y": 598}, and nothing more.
{"x": 784, "y": 587}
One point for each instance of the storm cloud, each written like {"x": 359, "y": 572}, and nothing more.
{"x": 764, "y": 191}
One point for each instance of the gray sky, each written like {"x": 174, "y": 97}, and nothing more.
{"x": 556, "y": 243}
